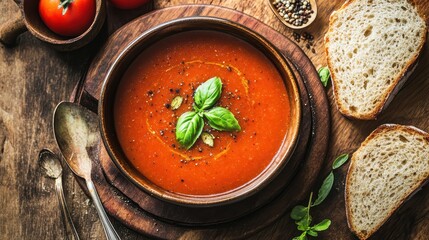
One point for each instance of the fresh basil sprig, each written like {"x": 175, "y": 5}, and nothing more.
{"x": 190, "y": 125}
{"x": 301, "y": 214}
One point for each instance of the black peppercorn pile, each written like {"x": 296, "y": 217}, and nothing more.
{"x": 295, "y": 12}
{"x": 305, "y": 37}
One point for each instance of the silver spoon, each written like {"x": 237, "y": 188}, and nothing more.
{"x": 51, "y": 166}
{"x": 76, "y": 132}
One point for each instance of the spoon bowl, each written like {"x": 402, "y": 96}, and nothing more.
{"x": 50, "y": 164}
{"x": 76, "y": 132}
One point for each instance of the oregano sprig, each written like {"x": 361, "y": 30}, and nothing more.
{"x": 190, "y": 124}
{"x": 301, "y": 214}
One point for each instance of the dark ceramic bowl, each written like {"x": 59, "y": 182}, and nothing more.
{"x": 36, "y": 26}
{"x": 147, "y": 38}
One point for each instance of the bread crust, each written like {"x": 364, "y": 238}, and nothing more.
{"x": 390, "y": 92}
{"x": 381, "y": 129}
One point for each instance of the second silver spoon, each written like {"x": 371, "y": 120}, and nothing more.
{"x": 52, "y": 168}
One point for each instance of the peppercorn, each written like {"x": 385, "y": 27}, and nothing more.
{"x": 295, "y": 12}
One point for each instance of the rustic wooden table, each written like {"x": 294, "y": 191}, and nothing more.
{"x": 34, "y": 78}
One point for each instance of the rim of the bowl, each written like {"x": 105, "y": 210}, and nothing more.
{"x": 277, "y": 163}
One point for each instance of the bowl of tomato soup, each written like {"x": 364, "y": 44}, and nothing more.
{"x": 200, "y": 111}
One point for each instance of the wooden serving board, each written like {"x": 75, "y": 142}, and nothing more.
{"x": 150, "y": 216}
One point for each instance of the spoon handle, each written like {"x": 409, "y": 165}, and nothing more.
{"x": 107, "y": 225}
{"x": 71, "y": 232}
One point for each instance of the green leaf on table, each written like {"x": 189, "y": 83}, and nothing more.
{"x": 188, "y": 128}
{"x": 298, "y": 212}
{"x": 322, "y": 226}
{"x": 312, "y": 233}
{"x": 324, "y": 75}
{"x": 324, "y": 189}
{"x": 304, "y": 223}
{"x": 222, "y": 119}
{"x": 340, "y": 160}
{"x": 208, "y": 93}
{"x": 303, "y": 236}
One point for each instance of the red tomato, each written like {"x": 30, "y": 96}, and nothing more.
{"x": 76, "y": 19}
{"x": 128, "y": 4}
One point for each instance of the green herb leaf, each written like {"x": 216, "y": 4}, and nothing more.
{"x": 322, "y": 226}
{"x": 188, "y": 128}
{"x": 324, "y": 189}
{"x": 340, "y": 160}
{"x": 222, "y": 119}
{"x": 208, "y": 93}
{"x": 176, "y": 102}
{"x": 324, "y": 75}
{"x": 207, "y": 138}
{"x": 301, "y": 214}
{"x": 298, "y": 212}
{"x": 303, "y": 236}
{"x": 312, "y": 233}
{"x": 304, "y": 223}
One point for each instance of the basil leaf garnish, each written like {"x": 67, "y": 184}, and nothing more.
{"x": 222, "y": 119}
{"x": 208, "y": 93}
{"x": 190, "y": 125}
{"x": 188, "y": 128}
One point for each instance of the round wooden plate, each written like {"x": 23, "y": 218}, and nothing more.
{"x": 122, "y": 201}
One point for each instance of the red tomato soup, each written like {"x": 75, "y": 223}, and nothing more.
{"x": 253, "y": 90}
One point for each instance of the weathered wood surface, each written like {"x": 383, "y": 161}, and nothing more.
{"x": 33, "y": 78}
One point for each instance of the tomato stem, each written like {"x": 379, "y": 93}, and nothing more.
{"x": 64, "y": 4}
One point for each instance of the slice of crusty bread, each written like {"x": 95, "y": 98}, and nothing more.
{"x": 388, "y": 167}
{"x": 372, "y": 45}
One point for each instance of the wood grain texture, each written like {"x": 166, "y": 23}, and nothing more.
{"x": 33, "y": 78}
{"x": 10, "y": 30}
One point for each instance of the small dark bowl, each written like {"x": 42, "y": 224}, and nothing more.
{"x": 147, "y": 38}
{"x": 36, "y": 26}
